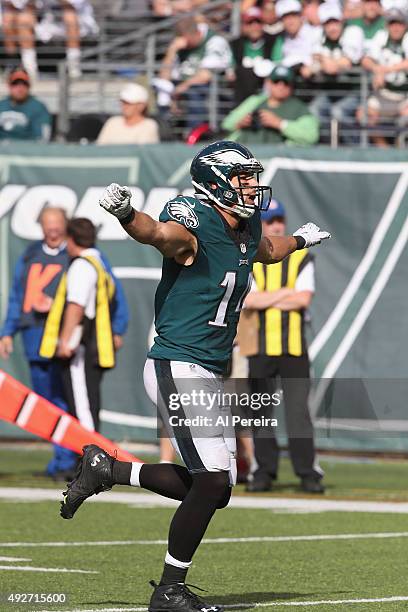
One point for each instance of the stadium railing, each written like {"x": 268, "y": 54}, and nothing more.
{"x": 98, "y": 92}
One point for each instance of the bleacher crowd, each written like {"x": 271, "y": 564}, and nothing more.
{"x": 284, "y": 73}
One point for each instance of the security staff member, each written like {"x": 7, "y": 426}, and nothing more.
{"x": 36, "y": 277}
{"x": 79, "y": 326}
{"x": 276, "y": 346}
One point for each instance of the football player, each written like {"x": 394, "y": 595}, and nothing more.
{"x": 209, "y": 243}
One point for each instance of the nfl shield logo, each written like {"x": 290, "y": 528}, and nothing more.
{"x": 243, "y": 247}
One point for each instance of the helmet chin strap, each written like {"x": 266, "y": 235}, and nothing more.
{"x": 245, "y": 212}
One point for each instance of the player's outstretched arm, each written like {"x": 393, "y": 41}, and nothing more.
{"x": 274, "y": 249}
{"x": 171, "y": 239}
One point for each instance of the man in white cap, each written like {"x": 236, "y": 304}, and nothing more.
{"x": 293, "y": 47}
{"x": 339, "y": 48}
{"x": 132, "y": 126}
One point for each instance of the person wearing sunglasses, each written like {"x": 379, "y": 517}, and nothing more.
{"x": 274, "y": 116}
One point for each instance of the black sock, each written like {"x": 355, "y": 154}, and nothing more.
{"x": 167, "y": 479}
{"x": 172, "y": 574}
{"x": 209, "y": 491}
{"x": 121, "y": 472}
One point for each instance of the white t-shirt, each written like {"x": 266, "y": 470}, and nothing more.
{"x": 306, "y": 278}
{"x": 299, "y": 49}
{"x": 386, "y": 53}
{"x": 351, "y": 45}
{"x": 81, "y": 282}
{"x": 214, "y": 54}
{"x": 116, "y": 131}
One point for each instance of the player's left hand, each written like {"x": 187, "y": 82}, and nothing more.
{"x": 311, "y": 234}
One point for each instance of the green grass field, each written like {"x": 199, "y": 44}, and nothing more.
{"x": 276, "y": 575}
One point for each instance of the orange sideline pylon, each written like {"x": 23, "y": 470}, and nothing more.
{"x": 24, "y": 408}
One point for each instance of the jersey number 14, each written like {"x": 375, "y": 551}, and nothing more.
{"x": 229, "y": 282}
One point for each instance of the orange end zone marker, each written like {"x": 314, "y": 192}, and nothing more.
{"x": 31, "y": 412}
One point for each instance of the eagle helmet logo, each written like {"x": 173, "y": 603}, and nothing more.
{"x": 212, "y": 174}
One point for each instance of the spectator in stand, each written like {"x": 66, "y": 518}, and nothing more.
{"x": 371, "y": 21}
{"x": 339, "y": 49}
{"x": 187, "y": 69}
{"x": 271, "y": 25}
{"x": 22, "y": 116}
{"x": 19, "y": 18}
{"x": 132, "y": 126}
{"x": 311, "y": 11}
{"x": 387, "y": 59}
{"x": 77, "y": 21}
{"x": 274, "y": 117}
{"x": 294, "y": 46}
{"x": 249, "y": 52}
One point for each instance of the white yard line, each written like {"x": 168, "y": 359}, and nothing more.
{"x": 249, "y": 540}
{"x": 14, "y": 559}
{"x": 137, "y": 272}
{"x": 266, "y": 604}
{"x": 58, "y": 570}
{"x": 268, "y": 503}
{"x": 131, "y": 420}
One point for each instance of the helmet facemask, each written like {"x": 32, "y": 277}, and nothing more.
{"x": 231, "y": 197}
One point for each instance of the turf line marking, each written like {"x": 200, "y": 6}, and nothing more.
{"x": 265, "y": 604}
{"x": 14, "y": 559}
{"x": 301, "y": 538}
{"x": 58, "y": 570}
{"x": 140, "y": 500}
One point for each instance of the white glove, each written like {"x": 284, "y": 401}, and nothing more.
{"x": 116, "y": 200}
{"x": 311, "y": 234}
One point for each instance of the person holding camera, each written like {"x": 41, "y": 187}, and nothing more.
{"x": 274, "y": 117}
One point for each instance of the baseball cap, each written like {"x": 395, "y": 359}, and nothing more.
{"x": 252, "y": 14}
{"x": 134, "y": 93}
{"x": 284, "y": 7}
{"x": 276, "y": 209}
{"x": 282, "y": 73}
{"x": 18, "y": 74}
{"x": 396, "y": 14}
{"x": 328, "y": 12}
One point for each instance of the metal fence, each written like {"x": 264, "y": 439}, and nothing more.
{"x": 130, "y": 45}
{"x": 97, "y": 92}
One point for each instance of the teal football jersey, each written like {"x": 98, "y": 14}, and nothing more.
{"x": 197, "y": 307}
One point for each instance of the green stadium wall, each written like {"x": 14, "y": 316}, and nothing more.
{"x": 359, "y": 327}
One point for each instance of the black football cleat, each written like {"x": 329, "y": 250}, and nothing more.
{"x": 308, "y": 484}
{"x": 178, "y": 598}
{"x": 93, "y": 475}
{"x": 259, "y": 485}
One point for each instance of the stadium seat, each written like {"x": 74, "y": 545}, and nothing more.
{"x": 85, "y": 128}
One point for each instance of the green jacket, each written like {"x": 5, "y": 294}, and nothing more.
{"x": 301, "y": 127}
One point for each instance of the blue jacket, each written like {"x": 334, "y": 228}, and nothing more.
{"x": 22, "y": 317}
